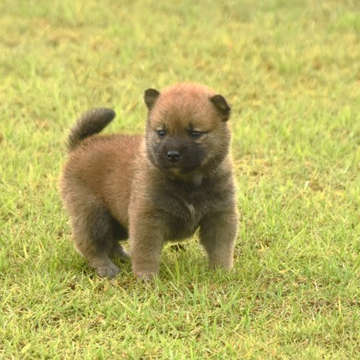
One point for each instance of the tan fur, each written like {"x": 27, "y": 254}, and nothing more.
{"x": 133, "y": 181}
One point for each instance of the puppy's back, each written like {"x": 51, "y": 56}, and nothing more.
{"x": 100, "y": 165}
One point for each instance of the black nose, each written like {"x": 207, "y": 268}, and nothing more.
{"x": 173, "y": 155}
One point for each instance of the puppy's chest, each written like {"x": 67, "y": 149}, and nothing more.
{"x": 184, "y": 217}
{"x": 189, "y": 207}
{"x": 184, "y": 209}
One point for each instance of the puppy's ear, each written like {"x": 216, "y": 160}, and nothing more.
{"x": 222, "y": 106}
{"x": 150, "y": 97}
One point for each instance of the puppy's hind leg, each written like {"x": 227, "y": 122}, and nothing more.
{"x": 119, "y": 234}
{"x": 93, "y": 237}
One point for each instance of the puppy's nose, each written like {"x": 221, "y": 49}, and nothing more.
{"x": 173, "y": 155}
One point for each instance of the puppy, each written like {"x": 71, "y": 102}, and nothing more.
{"x": 154, "y": 188}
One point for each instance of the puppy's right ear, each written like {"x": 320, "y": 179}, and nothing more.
{"x": 150, "y": 97}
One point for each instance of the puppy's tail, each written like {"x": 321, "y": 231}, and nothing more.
{"x": 90, "y": 123}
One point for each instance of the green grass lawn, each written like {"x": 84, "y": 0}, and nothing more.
{"x": 291, "y": 70}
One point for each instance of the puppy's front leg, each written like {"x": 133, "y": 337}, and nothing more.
{"x": 146, "y": 241}
{"x": 217, "y": 235}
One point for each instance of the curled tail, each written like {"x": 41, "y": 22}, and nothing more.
{"x": 90, "y": 123}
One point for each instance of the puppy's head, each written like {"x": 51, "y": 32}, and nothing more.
{"x": 187, "y": 128}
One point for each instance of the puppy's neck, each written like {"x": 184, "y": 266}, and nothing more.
{"x": 197, "y": 179}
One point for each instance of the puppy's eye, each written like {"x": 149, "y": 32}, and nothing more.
{"x": 161, "y": 133}
{"x": 195, "y": 134}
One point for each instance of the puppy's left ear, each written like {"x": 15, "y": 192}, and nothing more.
{"x": 150, "y": 97}
{"x": 222, "y": 106}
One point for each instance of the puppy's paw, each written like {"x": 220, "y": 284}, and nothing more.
{"x": 145, "y": 276}
{"x": 225, "y": 266}
{"x": 109, "y": 271}
{"x": 119, "y": 251}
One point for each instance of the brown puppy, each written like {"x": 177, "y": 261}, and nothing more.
{"x": 164, "y": 186}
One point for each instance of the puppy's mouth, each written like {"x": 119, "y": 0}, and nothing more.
{"x": 175, "y": 171}
{"x": 179, "y": 162}
{"x": 178, "y": 168}
{"x": 193, "y": 177}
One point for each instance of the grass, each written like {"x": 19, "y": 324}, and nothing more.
{"x": 290, "y": 69}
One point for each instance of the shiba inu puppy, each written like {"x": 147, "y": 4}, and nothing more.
{"x": 150, "y": 189}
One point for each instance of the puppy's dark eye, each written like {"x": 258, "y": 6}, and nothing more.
{"x": 195, "y": 134}
{"x": 161, "y": 133}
